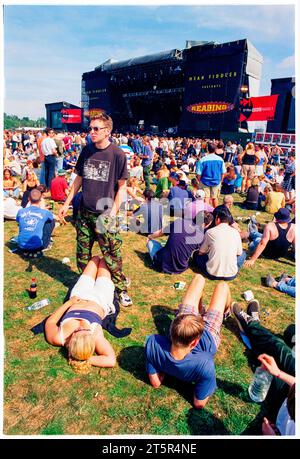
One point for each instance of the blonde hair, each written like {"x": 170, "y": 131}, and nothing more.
{"x": 81, "y": 346}
{"x": 132, "y": 181}
{"x": 107, "y": 121}
{"x": 255, "y": 181}
{"x": 250, "y": 146}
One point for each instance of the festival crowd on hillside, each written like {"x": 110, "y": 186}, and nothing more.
{"x": 181, "y": 188}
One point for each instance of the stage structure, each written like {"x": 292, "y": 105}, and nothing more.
{"x": 284, "y": 121}
{"x": 194, "y": 91}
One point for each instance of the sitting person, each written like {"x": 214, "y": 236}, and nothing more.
{"x": 59, "y": 187}
{"x": 194, "y": 340}
{"x": 10, "y": 208}
{"x": 162, "y": 182}
{"x": 285, "y": 284}
{"x": 35, "y": 225}
{"x": 276, "y": 239}
{"x": 221, "y": 255}
{"x": 196, "y": 206}
{"x": 185, "y": 236}
{"x": 271, "y": 351}
{"x": 132, "y": 189}
{"x": 178, "y": 197}
{"x": 275, "y": 199}
{"x": 228, "y": 183}
{"x": 77, "y": 323}
{"x": 10, "y": 185}
{"x": 137, "y": 169}
{"x": 30, "y": 183}
{"x": 252, "y": 199}
{"x": 151, "y": 212}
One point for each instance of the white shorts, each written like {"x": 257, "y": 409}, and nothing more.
{"x": 101, "y": 291}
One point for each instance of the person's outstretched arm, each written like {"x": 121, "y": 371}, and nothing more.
{"x": 51, "y": 328}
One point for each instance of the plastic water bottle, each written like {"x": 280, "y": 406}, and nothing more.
{"x": 38, "y": 305}
{"x": 260, "y": 385}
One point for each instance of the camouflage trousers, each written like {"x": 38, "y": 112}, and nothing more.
{"x": 109, "y": 243}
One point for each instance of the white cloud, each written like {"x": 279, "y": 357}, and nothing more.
{"x": 288, "y": 63}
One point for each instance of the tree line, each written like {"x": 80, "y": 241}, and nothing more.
{"x": 14, "y": 122}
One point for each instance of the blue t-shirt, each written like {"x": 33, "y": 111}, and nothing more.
{"x": 179, "y": 197}
{"x": 184, "y": 238}
{"x": 152, "y": 214}
{"x": 31, "y": 224}
{"x": 198, "y": 366}
{"x": 146, "y": 151}
{"x": 211, "y": 168}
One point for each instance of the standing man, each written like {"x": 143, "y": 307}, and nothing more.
{"x": 147, "y": 157}
{"x": 49, "y": 151}
{"x": 210, "y": 171}
{"x": 101, "y": 173}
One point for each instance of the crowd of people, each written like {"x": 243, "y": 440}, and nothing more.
{"x": 180, "y": 188}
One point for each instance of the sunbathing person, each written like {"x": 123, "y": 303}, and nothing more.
{"x": 77, "y": 323}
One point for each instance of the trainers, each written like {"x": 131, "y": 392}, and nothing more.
{"x": 270, "y": 280}
{"x": 242, "y": 318}
{"x": 125, "y": 299}
{"x": 252, "y": 225}
{"x": 283, "y": 276}
{"x": 252, "y": 310}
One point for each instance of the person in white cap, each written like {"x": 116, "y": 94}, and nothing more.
{"x": 194, "y": 207}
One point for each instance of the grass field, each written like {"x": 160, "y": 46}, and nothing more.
{"x": 42, "y": 394}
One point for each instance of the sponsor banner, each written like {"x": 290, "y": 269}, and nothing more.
{"x": 267, "y": 138}
{"x": 210, "y": 108}
{"x": 71, "y": 115}
{"x": 258, "y": 108}
{"x": 276, "y": 138}
{"x": 293, "y": 139}
{"x": 286, "y": 138}
{"x": 259, "y": 137}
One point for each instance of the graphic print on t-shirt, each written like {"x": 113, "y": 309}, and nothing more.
{"x": 95, "y": 169}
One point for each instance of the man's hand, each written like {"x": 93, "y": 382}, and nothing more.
{"x": 63, "y": 211}
{"x": 269, "y": 364}
{"x": 249, "y": 263}
{"x": 268, "y": 428}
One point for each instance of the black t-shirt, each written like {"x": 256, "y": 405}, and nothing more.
{"x": 100, "y": 171}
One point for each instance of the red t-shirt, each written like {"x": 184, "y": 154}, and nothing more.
{"x": 57, "y": 188}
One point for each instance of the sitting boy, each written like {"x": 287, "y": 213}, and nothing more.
{"x": 35, "y": 225}
{"x": 194, "y": 339}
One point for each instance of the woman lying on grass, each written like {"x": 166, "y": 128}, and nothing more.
{"x": 77, "y": 324}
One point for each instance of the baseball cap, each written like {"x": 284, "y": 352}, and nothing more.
{"x": 61, "y": 172}
{"x": 283, "y": 215}
{"x": 200, "y": 194}
{"x": 174, "y": 176}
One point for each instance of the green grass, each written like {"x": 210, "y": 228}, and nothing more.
{"x": 42, "y": 394}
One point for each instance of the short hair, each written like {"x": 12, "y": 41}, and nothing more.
{"x": 211, "y": 147}
{"x": 35, "y": 196}
{"x": 255, "y": 181}
{"x": 228, "y": 198}
{"x": 220, "y": 144}
{"x": 81, "y": 346}
{"x": 222, "y": 215}
{"x": 149, "y": 194}
{"x": 185, "y": 328}
{"x": 203, "y": 217}
{"x": 48, "y": 130}
{"x": 106, "y": 119}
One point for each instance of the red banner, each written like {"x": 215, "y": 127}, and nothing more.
{"x": 258, "y": 108}
{"x": 71, "y": 115}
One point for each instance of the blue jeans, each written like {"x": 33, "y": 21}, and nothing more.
{"x": 14, "y": 193}
{"x": 153, "y": 247}
{"x": 201, "y": 260}
{"x": 288, "y": 287}
{"x": 50, "y": 163}
{"x": 255, "y": 238}
{"x": 59, "y": 162}
{"x": 42, "y": 174}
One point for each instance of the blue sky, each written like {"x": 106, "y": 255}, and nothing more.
{"x": 47, "y": 48}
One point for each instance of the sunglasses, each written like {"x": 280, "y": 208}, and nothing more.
{"x": 96, "y": 129}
